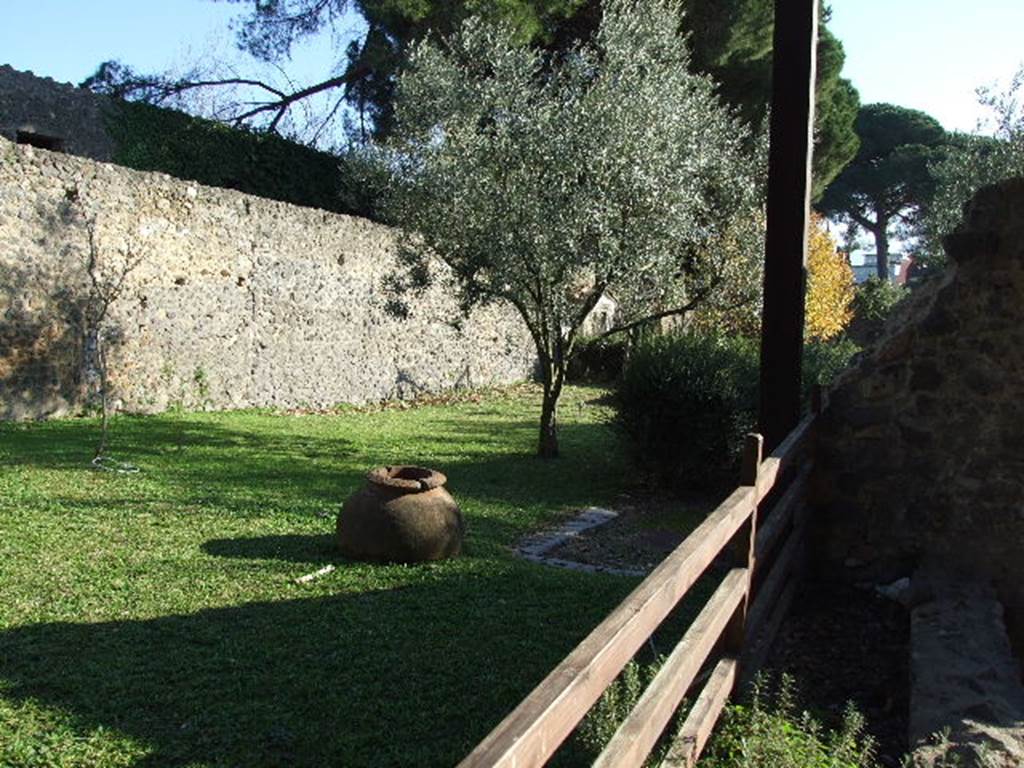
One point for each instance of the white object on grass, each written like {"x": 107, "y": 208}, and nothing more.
{"x": 315, "y": 575}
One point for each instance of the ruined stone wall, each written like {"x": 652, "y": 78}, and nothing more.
{"x": 42, "y": 106}
{"x": 236, "y": 301}
{"x": 923, "y": 442}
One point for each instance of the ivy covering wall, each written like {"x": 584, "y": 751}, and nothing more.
{"x": 149, "y": 138}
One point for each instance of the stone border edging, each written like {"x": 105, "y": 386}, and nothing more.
{"x": 535, "y": 548}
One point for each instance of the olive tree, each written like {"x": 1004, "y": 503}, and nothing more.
{"x": 548, "y": 182}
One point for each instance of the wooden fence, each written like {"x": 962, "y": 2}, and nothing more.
{"x": 760, "y": 528}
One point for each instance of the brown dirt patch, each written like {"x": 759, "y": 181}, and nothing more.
{"x": 647, "y": 529}
{"x": 841, "y": 644}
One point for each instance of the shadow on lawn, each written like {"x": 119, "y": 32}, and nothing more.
{"x": 408, "y": 676}
{"x": 411, "y": 676}
{"x": 484, "y": 535}
{"x": 207, "y": 464}
{"x": 202, "y": 463}
{"x": 292, "y": 548}
{"x": 70, "y": 443}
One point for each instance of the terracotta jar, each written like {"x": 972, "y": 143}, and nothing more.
{"x": 403, "y": 515}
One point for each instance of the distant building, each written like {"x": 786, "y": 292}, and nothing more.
{"x": 865, "y": 267}
{"x": 602, "y": 317}
{"x": 905, "y": 268}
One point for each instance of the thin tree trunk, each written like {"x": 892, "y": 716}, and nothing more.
{"x": 547, "y": 446}
{"x": 552, "y": 376}
{"x": 101, "y": 357}
{"x": 881, "y": 233}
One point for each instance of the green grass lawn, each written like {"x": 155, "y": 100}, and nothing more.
{"x": 152, "y": 619}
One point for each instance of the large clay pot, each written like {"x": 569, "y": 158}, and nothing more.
{"x": 402, "y": 515}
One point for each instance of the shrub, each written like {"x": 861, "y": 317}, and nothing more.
{"x": 773, "y": 734}
{"x": 598, "y": 360}
{"x": 824, "y": 360}
{"x": 618, "y": 700}
{"x": 150, "y": 138}
{"x": 873, "y": 302}
{"x": 687, "y": 400}
{"x": 760, "y": 734}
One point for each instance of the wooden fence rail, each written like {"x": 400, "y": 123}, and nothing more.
{"x": 737, "y": 625}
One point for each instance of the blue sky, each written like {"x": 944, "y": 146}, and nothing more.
{"x": 67, "y": 39}
{"x": 930, "y": 54}
{"x": 926, "y": 54}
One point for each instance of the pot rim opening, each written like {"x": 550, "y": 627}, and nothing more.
{"x": 407, "y": 477}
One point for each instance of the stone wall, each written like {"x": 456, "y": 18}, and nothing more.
{"x": 236, "y": 301}
{"x": 44, "y": 107}
{"x": 964, "y": 679}
{"x": 923, "y": 442}
{"x": 58, "y": 116}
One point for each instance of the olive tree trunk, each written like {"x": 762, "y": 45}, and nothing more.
{"x": 552, "y": 378}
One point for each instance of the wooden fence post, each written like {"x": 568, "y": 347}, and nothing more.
{"x": 744, "y": 546}
{"x": 753, "y": 447}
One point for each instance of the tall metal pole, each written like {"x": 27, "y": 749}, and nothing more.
{"x": 789, "y": 190}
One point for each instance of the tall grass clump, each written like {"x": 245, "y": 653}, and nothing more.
{"x": 770, "y": 732}
{"x": 766, "y": 732}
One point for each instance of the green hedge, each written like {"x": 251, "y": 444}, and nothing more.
{"x": 598, "y": 360}
{"x": 873, "y": 302}
{"x": 823, "y": 361}
{"x": 150, "y": 138}
{"x": 688, "y": 399}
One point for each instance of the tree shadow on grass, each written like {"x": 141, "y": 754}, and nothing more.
{"x": 292, "y": 548}
{"x": 205, "y": 464}
{"x": 409, "y": 676}
{"x": 70, "y": 443}
{"x": 201, "y": 462}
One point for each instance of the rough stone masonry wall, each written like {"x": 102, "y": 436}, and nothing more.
{"x": 923, "y": 442}
{"x": 237, "y": 301}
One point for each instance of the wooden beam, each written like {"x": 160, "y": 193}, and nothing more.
{"x": 789, "y": 189}
{"x": 693, "y": 736}
{"x": 785, "y": 455}
{"x": 777, "y": 519}
{"x": 639, "y": 732}
{"x": 532, "y": 732}
{"x": 743, "y": 546}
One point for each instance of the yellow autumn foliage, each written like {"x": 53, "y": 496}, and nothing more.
{"x": 830, "y": 285}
